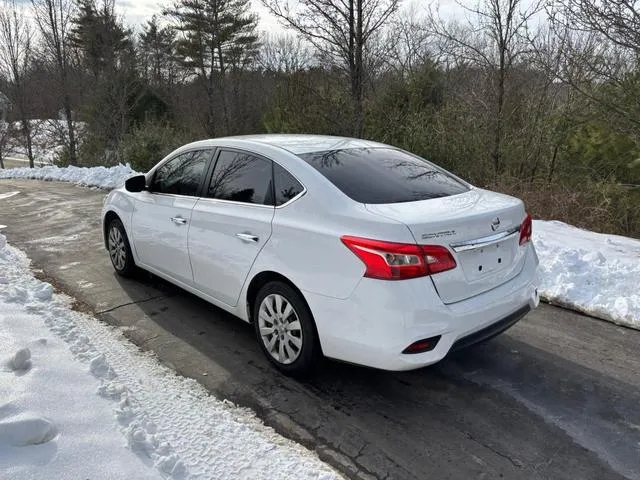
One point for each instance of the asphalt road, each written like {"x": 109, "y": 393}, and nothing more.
{"x": 557, "y": 396}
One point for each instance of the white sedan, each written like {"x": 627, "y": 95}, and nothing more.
{"x": 334, "y": 247}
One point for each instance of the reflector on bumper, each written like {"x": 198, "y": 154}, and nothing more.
{"x": 422, "y": 346}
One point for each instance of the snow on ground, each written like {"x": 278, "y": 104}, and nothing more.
{"x": 77, "y": 400}
{"x": 591, "y": 272}
{"x": 8, "y": 195}
{"x": 101, "y": 177}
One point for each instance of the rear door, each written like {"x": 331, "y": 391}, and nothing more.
{"x": 231, "y": 223}
{"x": 163, "y": 213}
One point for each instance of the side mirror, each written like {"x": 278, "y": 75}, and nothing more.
{"x": 136, "y": 184}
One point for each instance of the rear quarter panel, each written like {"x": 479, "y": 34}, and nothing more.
{"x": 305, "y": 244}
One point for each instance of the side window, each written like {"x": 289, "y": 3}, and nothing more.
{"x": 241, "y": 177}
{"x": 287, "y": 187}
{"x": 181, "y": 175}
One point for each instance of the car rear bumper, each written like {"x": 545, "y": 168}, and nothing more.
{"x": 493, "y": 330}
{"x": 381, "y": 319}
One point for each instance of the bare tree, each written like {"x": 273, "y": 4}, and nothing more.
{"x": 616, "y": 20}
{"x": 284, "y": 53}
{"x": 494, "y": 39}
{"x": 341, "y": 31}
{"x": 5, "y": 133}
{"x": 600, "y": 44}
{"x": 54, "y": 20}
{"x": 409, "y": 42}
{"x": 558, "y": 105}
{"x": 15, "y": 59}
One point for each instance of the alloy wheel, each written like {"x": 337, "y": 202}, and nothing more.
{"x": 280, "y": 329}
{"x": 117, "y": 248}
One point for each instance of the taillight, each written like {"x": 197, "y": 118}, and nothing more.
{"x": 526, "y": 229}
{"x": 399, "y": 261}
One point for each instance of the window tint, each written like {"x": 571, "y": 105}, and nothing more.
{"x": 181, "y": 175}
{"x": 383, "y": 175}
{"x": 241, "y": 177}
{"x": 287, "y": 187}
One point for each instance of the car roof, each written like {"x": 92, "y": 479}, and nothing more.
{"x": 299, "y": 144}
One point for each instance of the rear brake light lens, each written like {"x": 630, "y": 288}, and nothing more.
{"x": 399, "y": 261}
{"x": 526, "y": 229}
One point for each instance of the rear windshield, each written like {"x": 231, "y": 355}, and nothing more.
{"x": 383, "y": 175}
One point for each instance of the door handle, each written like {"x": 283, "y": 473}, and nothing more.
{"x": 179, "y": 220}
{"x": 247, "y": 237}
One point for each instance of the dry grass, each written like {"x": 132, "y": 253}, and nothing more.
{"x": 17, "y": 164}
{"x": 601, "y": 207}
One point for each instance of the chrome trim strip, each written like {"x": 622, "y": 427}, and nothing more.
{"x": 233, "y": 202}
{"x": 174, "y": 195}
{"x": 301, "y": 194}
{"x": 484, "y": 241}
{"x": 219, "y": 200}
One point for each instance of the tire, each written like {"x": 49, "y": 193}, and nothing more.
{"x": 119, "y": 249}
{"x": 281, "y": 346}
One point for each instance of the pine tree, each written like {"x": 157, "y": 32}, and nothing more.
{"x": 215, "y": 36}
{"x": 114, "y": 91}
{"x": 103, "y": 42}
{"x": 157, "y": 50}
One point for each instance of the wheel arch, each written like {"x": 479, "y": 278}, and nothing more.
{"x": 263, "y": 278}
{"x": 108, "y": 218}
{"x": 260, "y": 280}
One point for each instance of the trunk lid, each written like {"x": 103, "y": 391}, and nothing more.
{"x": 479, "y": 227}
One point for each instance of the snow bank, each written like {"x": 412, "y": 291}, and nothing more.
{"x": 101, "y": 177}
{"x": 591, "y": 272}
{"x": 86, "y": 403}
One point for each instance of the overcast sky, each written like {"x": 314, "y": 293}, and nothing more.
{"x": 136, "y": 12}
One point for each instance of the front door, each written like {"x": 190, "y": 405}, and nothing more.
{"x": 162, "y": 215}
